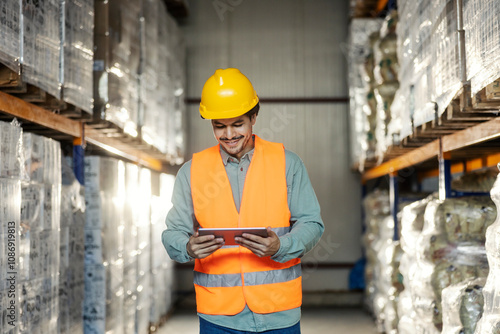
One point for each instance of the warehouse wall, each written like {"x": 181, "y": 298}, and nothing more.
{"x": 288, "y": 49}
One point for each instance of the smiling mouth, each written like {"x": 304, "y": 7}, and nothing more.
{"x": 232, "y": 142}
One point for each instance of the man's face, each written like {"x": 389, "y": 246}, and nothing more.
{"x": 235, "y": 134}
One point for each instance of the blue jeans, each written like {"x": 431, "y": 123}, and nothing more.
{"x": 207, "y": 327}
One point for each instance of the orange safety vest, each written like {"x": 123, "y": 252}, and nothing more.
{"x": 233, "y": 277}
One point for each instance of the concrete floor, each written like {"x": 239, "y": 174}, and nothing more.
{"x": 314, "y": 321}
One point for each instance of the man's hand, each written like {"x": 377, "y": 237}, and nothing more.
{"x": 258, "y": 245}
{"x": 201, "y": 247}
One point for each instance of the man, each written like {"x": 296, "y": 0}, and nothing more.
{"x": 244, "y": 181}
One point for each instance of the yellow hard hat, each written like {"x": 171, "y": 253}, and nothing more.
{"x": 227, "y": 94}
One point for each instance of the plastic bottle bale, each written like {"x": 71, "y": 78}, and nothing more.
{"x": 391, "y": 315}
{"x": 379, "y": 304}
{"x": 467, "y": 218}
{"x": 462, "y": 306}
{"x": 477, "y": 181}
{"x": 412, "y": 224}
{"x": 407, "y": 314}
{"x": 490, "y": 322}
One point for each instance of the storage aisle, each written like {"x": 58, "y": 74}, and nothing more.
{"x": 314, "y": 321}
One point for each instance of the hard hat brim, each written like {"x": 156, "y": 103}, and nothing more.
{"x": 208, "y": 114}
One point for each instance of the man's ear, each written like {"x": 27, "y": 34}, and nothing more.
{"x": 253, "y": 119}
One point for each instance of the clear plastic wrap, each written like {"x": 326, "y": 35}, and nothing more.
{"x": 143, "y": 224}
{"x": 376, "y": 207}
{"x": 477, "y": 181}
{"x": 382, "y": 274}
{"x": 10, "y": 13}
{"x": 386, "y": 72}
{"x": 161, "y": 267}
{"x": 11, "y": 150}
{"x": 414, "y": 34}
{"x": 116, "y": 62}
{"x": 10, "y": 209}
{"x": 40, "y": 238}
{"x": 42, "y": 159}
{"x": 71, "y": 268}
{"x": 41, "y": 45}
{"x": 446, "y": 65}
{"x": 462, "y": 306}
{"x": 176, "y": 69}
{"x": 104, "y": 265}
{"x": 490, "y": 322}
{"x": 78, "y": 53}
{"x": 362, "y": 35}
{"x": 412, "y": 224}
{"x": 482, "y": 40}
{"x": 130, "y": 244}
{"x": 450, "y": 249}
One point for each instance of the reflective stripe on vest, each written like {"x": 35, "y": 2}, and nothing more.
{"x": 254, "y": 278}
{"x": 233, "y": 277}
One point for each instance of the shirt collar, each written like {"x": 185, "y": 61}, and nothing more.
{"x": 226, "y": 157}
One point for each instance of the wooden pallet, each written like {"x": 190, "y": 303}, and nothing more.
{"x": 11, "y": 82}
{"x": 488, "y": 98}
{"x": 459, "y": 115}
{"x": 463, "y": 112}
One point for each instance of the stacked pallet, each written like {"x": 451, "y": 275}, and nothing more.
{"x": 448, "y": 77}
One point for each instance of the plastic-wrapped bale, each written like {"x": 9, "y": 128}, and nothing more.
{"x": 407, "y": 315}
{"x": 390, "y": 283}
{"x": 376, "y": 208}
{"x": 78, "y": 53}
{"x": 11, "y": 163}
{"x": 447, "y": 63}
{"x": 143, "y": 225}
{"x": 10, "y": 209}
{"x": 156, "y": 85}
{"x": 71, "y": 270}
{"x": 482, "y": 40}
{"x": 40, "y": 235}
{"x": 161, "y": 265}
{"x": 130, "y": 246}
{"x": 176, "y": 68}
{"x": 104, "y": 196}
{"x": 386, "y": 76}
{"x": 386, "y": 276}
{"x": 478, "y": 181}
{"x": 116, "y": 62}
{"x": 490, "y": 322}
{"x": 414, "y": 33}
{"x": 412, "y": 224}
{"x": 462, "y": 306}
{"x": 450, "y": 250}
{"x": 41, "y": 33}
{"x": 362, "y": 34}
{"x": 10, "y": 14}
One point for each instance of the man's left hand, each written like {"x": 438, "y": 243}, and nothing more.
{"x": 260, "y": 246}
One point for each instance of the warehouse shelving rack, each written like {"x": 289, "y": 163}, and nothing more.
{"x": 465, "y": 150}
{"x": 45, "y": 122}
{"x": 466, "y": 137}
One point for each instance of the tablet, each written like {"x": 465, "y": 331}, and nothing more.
{"x": 228, "y": 234}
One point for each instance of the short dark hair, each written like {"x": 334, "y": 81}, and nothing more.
{"x": 253, "y": 111}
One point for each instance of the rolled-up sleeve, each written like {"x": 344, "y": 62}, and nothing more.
{"x": 180, "y": 220}
{"x": 307, "y": 225}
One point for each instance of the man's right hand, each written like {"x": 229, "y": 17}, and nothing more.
{"x": 201, "y": 247}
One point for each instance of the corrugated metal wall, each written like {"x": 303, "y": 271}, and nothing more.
{"x": 288, "y": 49}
